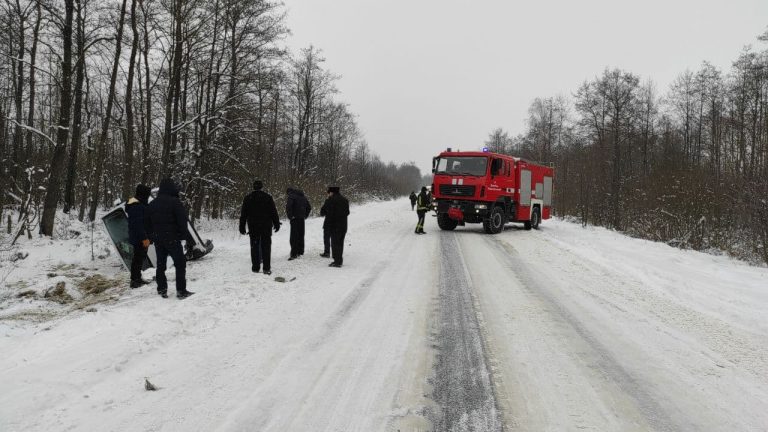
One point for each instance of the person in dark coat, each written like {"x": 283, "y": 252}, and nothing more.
{"x": 326, "y": 230}
{"x": 167, "y": 227}
{"x": 423, "y": 203}
{"x": 336, "y": 212}
{"x": 260, "y": 215}
{"x": 297, "y": 208}
{"x": 413, "y": 199}
{"x": 137, "y": 234}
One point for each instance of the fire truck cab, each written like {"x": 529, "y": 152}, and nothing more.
{"x": 490, "y": 188}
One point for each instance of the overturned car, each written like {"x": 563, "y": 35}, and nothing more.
{"x": 116, "y": 223}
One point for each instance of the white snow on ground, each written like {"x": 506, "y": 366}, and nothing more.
{"x": 335, "y": 348}
{"x": 584, "y": 329}
{"x": 590, "y": 329}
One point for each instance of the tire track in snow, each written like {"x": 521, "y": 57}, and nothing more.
{"x": 317, "y": 353}
{"x": 462, "y": 382}
{"x": 653, "y": 413}
{"x": 357, "y": 295}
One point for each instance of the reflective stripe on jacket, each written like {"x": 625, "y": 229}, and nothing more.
{"x": 423, "y": 202}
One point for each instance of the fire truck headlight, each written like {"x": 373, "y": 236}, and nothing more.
{"x": 481, "y": 206}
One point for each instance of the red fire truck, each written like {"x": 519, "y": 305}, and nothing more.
{"x": 490, "y": 188}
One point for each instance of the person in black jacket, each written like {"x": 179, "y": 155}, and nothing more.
{"x": 137, "y": 234}
{"x": 336, "y": 212}
{"x": 297, "y": 209}
{"x": 260, "y": 214}
{"x": 167, "y": 227}
{"x": 412, "y": 197}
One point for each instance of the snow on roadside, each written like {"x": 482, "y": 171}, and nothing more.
{"x": 49, "y": 278}
{"x": 732, "y": 290}
{"x": 85, "y": 371}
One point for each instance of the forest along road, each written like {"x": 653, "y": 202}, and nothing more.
{"x": 564, "y": 328}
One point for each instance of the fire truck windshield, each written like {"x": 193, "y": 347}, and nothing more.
{"x": 462, "y": 165}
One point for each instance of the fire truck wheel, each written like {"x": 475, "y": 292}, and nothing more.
{"x": 445, "y": 223}
{"x": 495, "y": 223}
{"x": 535, "y": 218}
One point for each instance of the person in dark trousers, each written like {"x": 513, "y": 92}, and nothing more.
{"x": 422, "y": 203}
{"x": 326, "y": 230}
{"x": 413, "y": 199}
{"x": 137, "y": 234}
{"x": 167, "y": 226}
{"x": 297, "y": 209}
{"x": 260, "y": 215}
{"x": 336, "y": 212}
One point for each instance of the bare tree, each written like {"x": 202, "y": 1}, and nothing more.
{"x": 102, "y": 142}
{"x": 65, "y": 90}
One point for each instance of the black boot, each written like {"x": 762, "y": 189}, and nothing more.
{"x": 183, "y": 295}
{"x": 139, "y": 283}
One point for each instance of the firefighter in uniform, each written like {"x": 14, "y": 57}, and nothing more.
{"x": 422, "y": 206}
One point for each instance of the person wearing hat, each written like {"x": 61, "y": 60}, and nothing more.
{"x": 260, "y": 215}
{"x": 137, "y": 234}
{"x": 422, "y": 202}
{"x": 167, "y": 222}
{"x": 336, "y": 212}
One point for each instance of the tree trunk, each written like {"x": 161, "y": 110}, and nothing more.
{"x": 101, "y": 144}
{"x": 3, "y": 173}
{"x": 69, "y": 190}
{"x": 128, "y": 174}
{"x": 148, "y": 110}
{"x": 32, "y": 57}
{"x": 18, "y": 137}
{"x": 174, "y": 88}
{"x": 62, "y": 133}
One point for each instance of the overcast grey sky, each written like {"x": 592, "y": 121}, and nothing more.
{"x": 423, "y": 75}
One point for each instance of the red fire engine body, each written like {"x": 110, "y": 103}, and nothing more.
{"x": 490, "y": 188}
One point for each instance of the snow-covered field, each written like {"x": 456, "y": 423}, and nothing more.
{"x": 564, "y": 328}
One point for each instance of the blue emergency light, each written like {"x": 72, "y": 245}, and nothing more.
{"x": 485, "y": 149}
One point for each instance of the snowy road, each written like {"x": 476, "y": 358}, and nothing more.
{"x": 559, "y": 329}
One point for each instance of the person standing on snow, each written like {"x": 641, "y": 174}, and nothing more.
{"x": 167, "y": 222}
{"x": 297, "y": 209}
{"x": 423, "y": 203}
{"x": 260, "y": 214}
{"x": 137, "y": 234}
{"x": 412, "y": 197}
{"x": 336, "y": 212}
{"x": 326, "y": 230}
